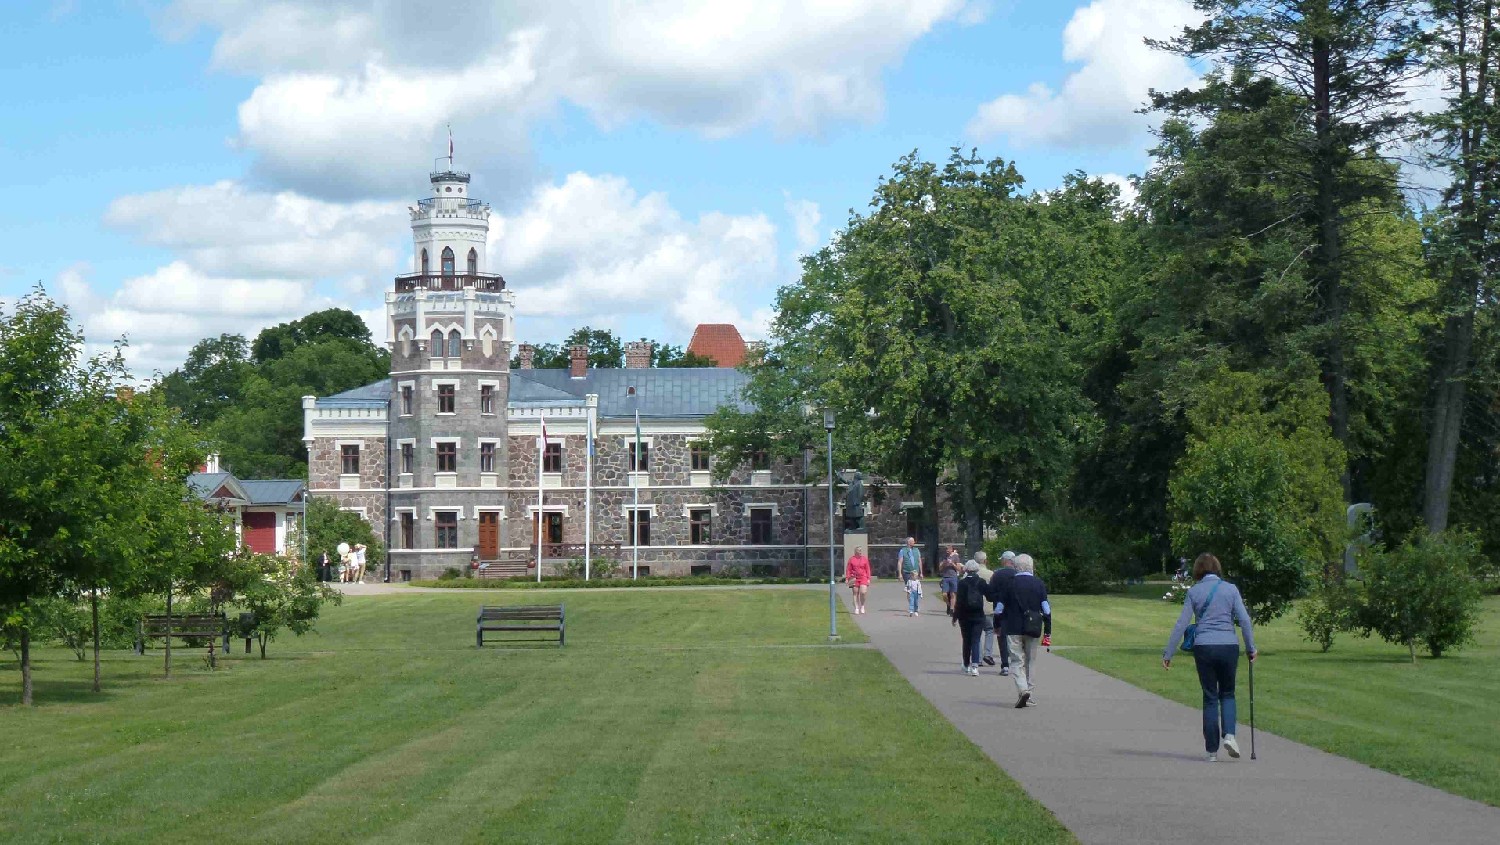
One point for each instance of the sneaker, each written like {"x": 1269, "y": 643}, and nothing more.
{"x": 1231, "y": 746}
{"x": 1031, "y": 701}
{"x": 974, "y": 670}
{"x": 1213, "y": 758}
{"x": 989, "y": 661}
{"x": 1021, "y": 702}
{"x": 1004, "y": 671}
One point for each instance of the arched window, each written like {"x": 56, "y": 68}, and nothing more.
{"x": 473, "y": 262}
{"x": 447, "y": 261}
{"x": 437, "y": 343}
{"x": 453, "y": 340}
{"x": 424, "y": 262}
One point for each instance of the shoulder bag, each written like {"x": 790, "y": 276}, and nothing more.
{"x": 1191, "y": 634}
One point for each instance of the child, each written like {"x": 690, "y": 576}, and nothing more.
{"x": 913, "y": 593}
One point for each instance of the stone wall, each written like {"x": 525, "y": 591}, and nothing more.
{"x": 325, "y": 462}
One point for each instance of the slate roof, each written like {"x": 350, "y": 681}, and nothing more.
{"x": 273, "y": 492}
{"x": 205, "y": 484}
{"x": 666, "y": 392}
{"x": 719, "y": 341}
{"x": 673, "y": 392}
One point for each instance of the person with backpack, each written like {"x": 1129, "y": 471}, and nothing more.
{"x": 968, "y": 615}
{"x": 1218, "y": 607}
{"x": 1025, "y": 621}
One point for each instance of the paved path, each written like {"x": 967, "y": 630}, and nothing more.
{"x": 378, "y": 588}
{"x": 1118, "y": 764}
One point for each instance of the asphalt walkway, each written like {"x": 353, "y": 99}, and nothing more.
{"x": 1117, "y": 764}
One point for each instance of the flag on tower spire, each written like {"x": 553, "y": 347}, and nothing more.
{"x": 450, "y": 145}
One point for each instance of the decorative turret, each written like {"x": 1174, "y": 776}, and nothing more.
{"x": 449, "y": 231}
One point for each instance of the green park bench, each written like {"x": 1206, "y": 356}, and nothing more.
{"x": 527, "y": 618}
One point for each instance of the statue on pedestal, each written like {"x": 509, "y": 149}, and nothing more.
{"x": 854, "y": 504}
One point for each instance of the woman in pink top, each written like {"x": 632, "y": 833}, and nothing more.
{"x": 857, "y": 576}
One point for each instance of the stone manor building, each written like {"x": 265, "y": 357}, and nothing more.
{"x": 445, "y": 457}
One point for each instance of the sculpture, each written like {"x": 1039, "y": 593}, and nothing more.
{"x": 854, "y": 504}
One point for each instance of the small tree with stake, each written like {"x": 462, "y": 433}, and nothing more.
{"x": 284, "y": 596}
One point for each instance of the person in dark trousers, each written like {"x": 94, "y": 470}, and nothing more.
{"x": 998, "y": 582}
{"x": 968, "y": 615}
{"x": 1026, "y": 620}
{"x": 1218, "y": 606}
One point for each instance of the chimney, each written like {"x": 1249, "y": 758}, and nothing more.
{"x": 527, "y": 352}
{"x": 578, "y": 359}
{"x": 638, "y": 355}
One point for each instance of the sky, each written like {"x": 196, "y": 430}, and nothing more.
{"x": 177, "y": 170}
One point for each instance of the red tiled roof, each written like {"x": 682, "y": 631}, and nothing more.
{"x": 719, "y": 341}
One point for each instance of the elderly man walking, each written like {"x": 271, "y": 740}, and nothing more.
{"x": 1025, "y": 620}
{"x": 998, "y": 582}
{"x": 909, "y": 560}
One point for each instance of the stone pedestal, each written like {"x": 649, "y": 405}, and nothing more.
{"x": 854, "y": 540}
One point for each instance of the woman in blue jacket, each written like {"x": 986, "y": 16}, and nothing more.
{"x": 1218, "y": 607}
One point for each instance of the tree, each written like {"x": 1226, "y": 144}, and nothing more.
{"x": 1344, "y": 64}
{"x": 327, "y": 527}
{"x": 667, "y": 355}
{"x": 280, "y": 340}
{"x": 281, "y": 595}
{"x": 605, "y": 350}
{"x": 1465, "y": 50}
{"x": 210, "y": 381}
{"x": 1424, "y": 590}
{"x": 1258, "y": 486}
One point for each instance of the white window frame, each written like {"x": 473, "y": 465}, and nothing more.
{"x": 687, "y": 510}
{"x": 775, "y": 509}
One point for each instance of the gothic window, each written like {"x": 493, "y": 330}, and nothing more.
{"x": 437, "y": 343}
{"x": 447, "y": 261}
{"x": 424, "y": 262}
{"x": 453, "y": 340}
{"x": 473, "y": 262}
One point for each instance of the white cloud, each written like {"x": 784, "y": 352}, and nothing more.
{"x": 592, "y": 249}
{"x": 354, "y": 94}
{"x": 1128, "y": 190}
{"x": 805, "y": 219}
{"x": 1097, "y": 103}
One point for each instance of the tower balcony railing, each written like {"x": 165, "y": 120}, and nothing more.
{"x": 454, "y": 203}
{"x": 459, "y": 281}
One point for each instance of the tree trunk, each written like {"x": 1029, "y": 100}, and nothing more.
{"x": 26, "y": 667}
{"x": 1411, "y": 646}
{"x": 1328, "y": 271}
{"x": 169, "y": 633}
{"x": 94, "y": 601}
{"x": 262, "y": 640}
{"x": 930, "y": 526}
{"x": 1447, "y": 420}
{"x": 973, "y": 522}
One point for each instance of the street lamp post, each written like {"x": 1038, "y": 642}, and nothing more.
{"x": 833, "y": 625}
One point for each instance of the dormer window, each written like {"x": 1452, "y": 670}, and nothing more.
{"x": 424, "y": 262}
{"x": 447, "y": 261}
{"x": 473, "y": 262}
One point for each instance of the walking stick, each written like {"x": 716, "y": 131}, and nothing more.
{"x": 1252, "y": 709}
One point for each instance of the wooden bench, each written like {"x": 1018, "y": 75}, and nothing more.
{"x": 525, "y": 618}
{"x": 209, "y": 626}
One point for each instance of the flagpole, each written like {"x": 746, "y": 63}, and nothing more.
{"x": 541, "y": 457}
{"x": 635, "y": 509}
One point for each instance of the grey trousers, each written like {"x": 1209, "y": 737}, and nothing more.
{"x": 1023, "y": 661}
{"x": 989, "y": 636}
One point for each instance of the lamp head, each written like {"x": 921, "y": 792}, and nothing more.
{"x": 828, "y": 419}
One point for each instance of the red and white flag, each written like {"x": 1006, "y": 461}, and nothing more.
{"x": 450, "y": 144}
{"x": 541, "y": 442}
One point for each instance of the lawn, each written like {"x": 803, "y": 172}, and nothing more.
{"x": 699, "y": 716}
{"x": 1434, "y": 722}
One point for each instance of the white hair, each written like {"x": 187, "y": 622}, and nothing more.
{"x": 1009, "y": 555}
{"x": 981, "y": 556}
{"x": 1024, "y": 563}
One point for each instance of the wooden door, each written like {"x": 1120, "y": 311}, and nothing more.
{"x": 489, "y": 535}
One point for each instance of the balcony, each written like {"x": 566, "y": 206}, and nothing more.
{"x": 472, "y": 206}
{"x": 491, "y": 282}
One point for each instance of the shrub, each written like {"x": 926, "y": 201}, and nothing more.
{"x": 1072, "y": 554}
{"x": 451, "y": 573}
{"x": 1426, "y": 589}
{"x": 1330, "y": 609}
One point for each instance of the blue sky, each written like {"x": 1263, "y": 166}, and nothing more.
{"x": 180, "y": 169}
